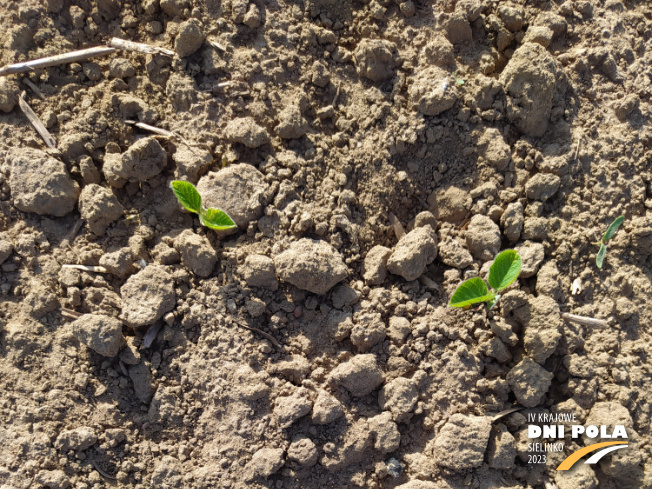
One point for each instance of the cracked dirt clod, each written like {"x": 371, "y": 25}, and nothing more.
{"x": 376, "y": 59}
{"x": 368, "y": 331}
{"x": 146, "y": 296}
{"x": 452, "y": 253}
{"x": 264, "y": 463}
{"x": 238, "y": 190}
{"x": 311, "y": 265}
{"x": 542, "y": 186}
{"x": 245, "y": 130}
{"x": 399, "y": 397}
{"x": 386, "y": 433}
{"x": 9, "y": 91}
{"x": 450, "y": 204}
{"x": 259, "y": 271}
{"x": 360, "y": 375}
{"x": 191, "y": 163}
{"x": 102, "y": 334}
{"x": 432, "y": 91}
{"x": 542, "y": 329}
{"x": 41, "y": 184}
{"x": 375, "y": 265}
{"x": 119, "y": 262}
{"x": 502, "y": 448}
{"x": 414, "y": 251}
{"x": 461, "y": 443}
{"x": 292, "y": 124}
{"x": 495, "y": 150}
{"x": 303, "y": 451}
{"x": 529, "y": 381}
{"x": 190, "y": 38}
{"x": 141, "y": 161}
{"x": 532, "y": 255}
{"x": 289, "y": 409}
{"x": 529, "y": 80}
{"x": 483, "y": 237}
{"x": 326, "y": 409}
{"x": 196, "y": 252}
{"x": 99, "y": 207}
{"x": 76, "y": 439}
{"x": 512, "y": 221}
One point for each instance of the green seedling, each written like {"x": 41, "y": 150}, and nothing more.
{"x": 502, "y": 273}
{"x": 458, "y": 81}
{"x": 190, "y": 199}
{"x": 611, "y": 230}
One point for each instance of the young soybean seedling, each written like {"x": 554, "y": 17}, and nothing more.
{"x": 458, "y": 81}
{"x": 190, "y": 199}
{"x": 611, "y": 230}
{"x": 502, "y": 273}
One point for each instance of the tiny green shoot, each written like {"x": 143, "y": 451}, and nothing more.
{"x": 190, "y": 199}
{"x": 458, "y": 81}
{"x": 502, "y": 273}
{"x": 611, "y": 230}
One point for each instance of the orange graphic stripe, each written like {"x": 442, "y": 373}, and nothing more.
{"x": 574, "y": 457}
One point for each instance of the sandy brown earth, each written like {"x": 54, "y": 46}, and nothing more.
{"x": 373, "y": 155}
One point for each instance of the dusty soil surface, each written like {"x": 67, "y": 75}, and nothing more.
{"x": 373, "y": 155}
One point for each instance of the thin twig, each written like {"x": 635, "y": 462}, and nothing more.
{"x": 577, "y": 148}
{"x": 70, "y": 313}
{"x": 73, "y": 232}
{"x": 268, "y": 336}
{"x": 102, "y": 473}
{"x": 428, "y": 282}
{"x": 159, "y": 131}
{"x": 216, "y": 45}
{"x": 504, "y": 413}
{"x": 337, "y": 95}
{"x": 147, "y": 127}
{"x": 86, "y": 268}
{"x": 150, "y": 336}
{"x": 35, "y": 121}
{"x": 59, "y": 59}
{"x": 138, "y": 47}
{"x": 585, "y": 321}
{"x": 34, "y": 88}
{"x": 399, "y": 230}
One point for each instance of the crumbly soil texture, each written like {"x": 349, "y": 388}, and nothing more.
{"x": 373, "y": 154}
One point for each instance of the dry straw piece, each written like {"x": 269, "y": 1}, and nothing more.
{"x": 35, "y": 121}
{"x": 138, "y": 47}
{"x": 83, "y": 54}
{"x": 87, "y": 268}
{"x": 583, "y": 320}
{"x": 154, "y": 129}
{"x": 56, "y": 60}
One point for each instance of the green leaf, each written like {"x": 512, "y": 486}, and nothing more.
{"x": 473, "y": 291}
{"x": 601, "y": 254}
{"x": 216, "y": 219}
{"x": 613, "y": 227}
{"x": 187, "y": 194}
{"x": 505, "y": 269}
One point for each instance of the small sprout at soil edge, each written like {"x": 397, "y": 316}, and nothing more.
{"x": 611, "y": 230}
{"x": 458, "y": 81}
{"x": 502, "y": 273}
{"x": 190, "y": 199}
